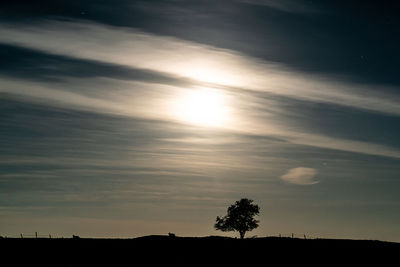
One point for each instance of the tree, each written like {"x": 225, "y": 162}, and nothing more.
{"x": 240, "y": 217}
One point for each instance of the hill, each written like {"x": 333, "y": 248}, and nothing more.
{"x": 188, "y": 251}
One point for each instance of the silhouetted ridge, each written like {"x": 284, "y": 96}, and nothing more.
{"x": 189, "y": 251}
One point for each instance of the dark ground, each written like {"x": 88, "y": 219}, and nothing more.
{"x": 189, "y": 251}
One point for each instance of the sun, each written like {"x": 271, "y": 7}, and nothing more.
{"x": 205, "y": 107}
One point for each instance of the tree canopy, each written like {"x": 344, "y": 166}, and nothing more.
{"x": 240, "y": 217}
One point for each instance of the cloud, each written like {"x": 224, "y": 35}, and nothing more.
{"x": 151, "y": 102}
{"x": 300, "y": 176}
{"x": 132, "y": 73}
{"x": 24, "y": 63}
{"x": 203, "y": 63}
{"x": 286, "y": 5}
{"x": 292, "y": 32}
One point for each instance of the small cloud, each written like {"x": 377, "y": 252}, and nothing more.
{"x": 301, "y": 176}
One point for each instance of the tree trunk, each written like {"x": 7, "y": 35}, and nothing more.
{"x": 242, "y": 234}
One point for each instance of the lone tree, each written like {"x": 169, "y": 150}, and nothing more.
{"x": 240, "y": 217}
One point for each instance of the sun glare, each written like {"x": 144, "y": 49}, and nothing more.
{"x": 205, "y": 107}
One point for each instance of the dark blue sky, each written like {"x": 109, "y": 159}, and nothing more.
{"x": 126, "y": 118}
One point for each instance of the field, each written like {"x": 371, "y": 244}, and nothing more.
{"x": 189, "y": 251}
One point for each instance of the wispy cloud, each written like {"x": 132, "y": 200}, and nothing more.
{"x": 155, "y": 102}
{"x": 203, "y": 63}
{"x": 285, "y": 5}
{"x": 300, "y": 176}
{"x": 249, "y": 83}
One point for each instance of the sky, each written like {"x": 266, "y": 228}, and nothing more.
{"x": 129, "y": 118}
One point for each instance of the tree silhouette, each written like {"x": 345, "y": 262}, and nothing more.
{"x": 240, "y": 217}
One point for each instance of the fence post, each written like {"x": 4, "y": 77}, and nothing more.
{"x": 22, "y": 236}
{"x": 50, "y": 236}
{"x": 292, "y": 235}
{"x": 35, "y": 234}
